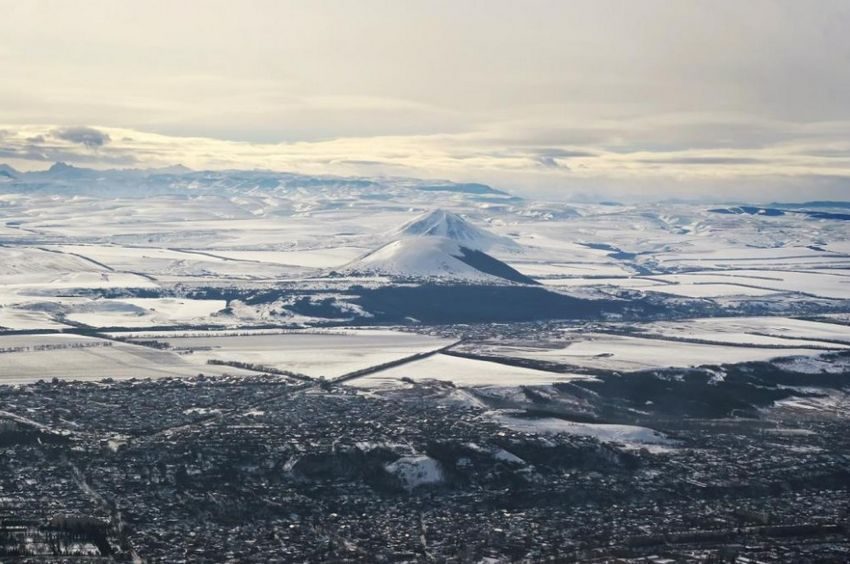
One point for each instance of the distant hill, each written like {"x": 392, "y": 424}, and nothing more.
{"x": 813, "y": 204}
{"x": 442, "y": 223}
{"x": 434, "y": 259}
{"x": 439, "y": 245}
{"x": 788, "y": 209}
{"x": 67, "y": 179}
{"x": 8, "y": 172}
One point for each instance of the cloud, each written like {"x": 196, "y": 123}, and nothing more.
{"x": 551, "y": 171}
{"x": 555, "y": 152}
{"x": 550, "y": 162}
{"x": 87, "y": 136}
{"x": 704, "y": 160}
{"x": 38, "y": 148}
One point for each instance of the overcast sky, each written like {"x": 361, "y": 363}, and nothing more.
{"x": 625, "y": 99}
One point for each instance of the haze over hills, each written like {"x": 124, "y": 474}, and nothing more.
{"x": 63, "y": 178}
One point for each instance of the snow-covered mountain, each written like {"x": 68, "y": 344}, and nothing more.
{"x": 321, "y": 190}
{"x": 439, "y": 245}
{"x": 442, "y": 223}
{"x": 7, "y": 172}
{"x": 433, "y": 258}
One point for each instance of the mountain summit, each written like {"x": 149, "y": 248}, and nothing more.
{"x": 442, "y": 223}
{"x": 439, "y": 246}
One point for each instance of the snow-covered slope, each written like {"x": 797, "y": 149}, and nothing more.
{"x": 302, "y": 193}
{"x": 433, "y": 258}
{"x": 442, "y": 223}
{"x": 7, "y": 172}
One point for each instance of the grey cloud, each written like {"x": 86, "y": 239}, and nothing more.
{"x": 88, "y": 136}
{"x": 558, "y": 153}
{"x": 34, "y": 152}
{"x": 361, "y": 162}
{"x": 702, "y": 160}
{"x": 826, "y": 153}
{"x": 551, "y": 162}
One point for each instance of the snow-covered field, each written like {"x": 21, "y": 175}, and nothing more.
{"x": 313, "y": 258}
{"x": 17, "y": 318}
{"x": 29, "y": 358}
{"x": 819, "y": 400}
{"x": 702, "y": 290}
{"x": 627, "y": 353}
{"x": 127, "y": 249}
{"x": 463, "y": 372}
{"x": 828, "y": 282}
{"x": 316, "y": 354}
{"x": 146, "y": 312}
{"x": 629, "y": 435}
{"x": 778, "y": 331}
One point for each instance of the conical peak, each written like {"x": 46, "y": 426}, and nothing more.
{"x": 443, "y": 223}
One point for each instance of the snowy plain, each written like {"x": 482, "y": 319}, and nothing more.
{"x": 86, "y": 250}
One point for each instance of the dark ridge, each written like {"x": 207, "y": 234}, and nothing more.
{"x": 826, "y": 215}
{"x": 773, "y": 212}
{"x": 488, "y": 265}
{"x": 749, "y": 210}
{"x": 615, "y": 252}
{"x": 9, "y": 171}
{"x": 432, "y": 304}
{"x": 814, "y": 204}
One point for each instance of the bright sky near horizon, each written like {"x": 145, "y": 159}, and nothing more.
{"x": 604, "y": 98}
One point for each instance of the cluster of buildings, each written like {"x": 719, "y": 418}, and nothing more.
{"x": 268, "y": 469}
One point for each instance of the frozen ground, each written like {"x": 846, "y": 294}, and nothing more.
{"x": 320, "y": 354}
{"x": 778, "y": 331}
{"x": 601, "y": 351}
{"x": 629, "y": 435}
{"x": 88, "y": 250}
{"x": 463, "y": 372}
{"x": 145, "y": 312}
{"x": 29, "y": 358}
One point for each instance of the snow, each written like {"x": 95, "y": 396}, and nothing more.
{"x": 616, "y": 352}
{"x": 463, "y": 372}
{"x": 827, "y": 283}
{"x": 815, "y": 365}
{"x": 313, "y": 258}
{"x": 769, "y": 331}
{"x": 418, "y": 257}
{"x": 783, "y": 329}
{"x": 184, "y": 262}
{"x": 255, "y": 230}
{"x": 448, "y": 225}
{"x": 708, "y": 290}
{"x": 433, "y": 246}
{"x": 819, "y": 399}
{"x": 558, "y": 270}
{"x": 312, "y": 353}
{"x": 416, "y": 471}
{"x": 505, "y": 456}
{"x": 95, "y": 360}
{"x": 621, "y": 434}
{"x": 145, "y": 312}
{"x": 619, "y": 282}
{"x": 18, "y": 319}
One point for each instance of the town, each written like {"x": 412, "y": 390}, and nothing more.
{"x": 268, "y": 469}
